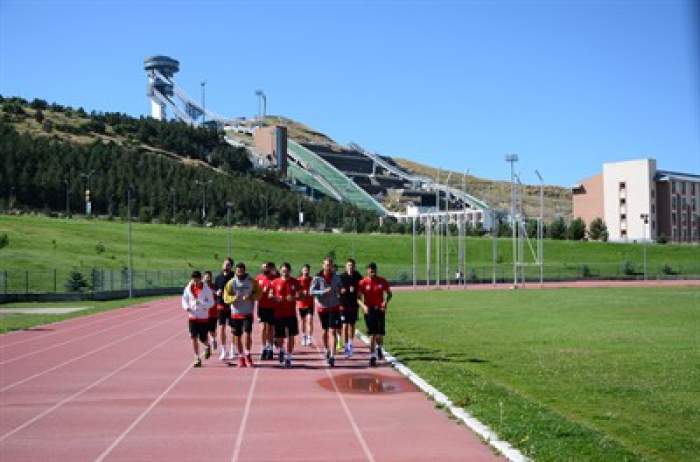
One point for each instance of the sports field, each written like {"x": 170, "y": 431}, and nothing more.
{"x": 564, "y": 374}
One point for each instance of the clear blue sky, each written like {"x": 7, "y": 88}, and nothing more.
{"x": 567, "y": 85}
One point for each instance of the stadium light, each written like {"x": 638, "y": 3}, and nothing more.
{"x": 512, "y": 159}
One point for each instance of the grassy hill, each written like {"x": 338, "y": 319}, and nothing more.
{"x": 42, "y": 245}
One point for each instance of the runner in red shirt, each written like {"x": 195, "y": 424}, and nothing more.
{"x": 265, "y": 309}
{"x": 284, "y": 293}
{"x": 372, "y": 290}
{"x": 306, "y": 306}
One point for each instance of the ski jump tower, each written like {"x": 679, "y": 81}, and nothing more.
{"x": 161, "y": 70}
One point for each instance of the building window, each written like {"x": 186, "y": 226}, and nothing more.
{"x": 692, "y": 189}
{"x": 683, "y": 187}
{"x": 623, "y": 233}
{"x": 623, "y": 217}
{"x": 653, "y": 224}
{"x": 673, "y": 219}
{"x": 693, "y": 203}
{"x": 684, "y": 203}
{"x": 673, "y": 202}
{"x": 623, "y": 186}
{"x": 653, "y": 208}
{"x": 653, "y": 193}
{"x": 673, "y": 187}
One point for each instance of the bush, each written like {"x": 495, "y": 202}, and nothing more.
{"x": 403, "y": 277}
{"x": 662, "y": 239}
{"x": 4, "y": 240}
{"x": 76, "y": 282}
{"x": 628, "y": 268}
{"x": 585, "y": 271}
{"x": 667, "y": 270}
{"x": 100, "y": 248}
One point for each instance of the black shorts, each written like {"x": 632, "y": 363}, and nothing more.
{"x": 211, "y": 325}
{"x": 374, "y": 320}
{"x": 329, "y": 319}
{"x": 303, "y": 312}
{"x": 286, "y": 327}
{"x": 348, "y": 316}
{"x": 223, "y": 316}
{"x": 238, "y": 326}
{"x": 266, "y": 315}
{"x": 199, "y": 330}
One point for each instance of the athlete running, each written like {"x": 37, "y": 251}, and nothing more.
{"x": 265, "y": 309}
{"x": 374, "y": 304}
{"x": 241, "y": 292}
{"x": 284, "y": 293}
{"x": 349, "y": 293}
{"x": 306, "y": 307}
{"x": 213, "y": 316}
{"x": 196, "y": 300}
{"x": 326, "y": 287}
{"x": 222, "y": 309}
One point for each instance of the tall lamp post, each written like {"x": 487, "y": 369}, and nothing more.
{"x": 88, "y": 204}
{"x": 645, "y": 220}
{"x": 262, "y": 106}
{"x": 540, "y": 236}
{"x": 204, "y": 198}
{"x": 229, "y": 205}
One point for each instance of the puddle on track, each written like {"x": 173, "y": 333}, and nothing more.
{"x": 367, "y": 383}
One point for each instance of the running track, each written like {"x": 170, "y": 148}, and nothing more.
{"x": 119, "y": 386}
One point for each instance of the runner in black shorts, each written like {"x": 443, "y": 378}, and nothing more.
{"x": 222, "y": 309}
{"x": 372, "y": 290}
{"x": 285, "y": 293}
{"x": 350, "y": 280}
{"x": 325, "y": 287}
{"x": 265, "y": 309}
{"x": 196, "y": 300}
{"x": 305, "y": 305}
{"x": 241, "y": 293}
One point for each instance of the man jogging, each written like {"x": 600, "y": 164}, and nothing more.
{"x": 241, "y": 292}
{"x": 265, "y": 309}
{"x": 196, "y": 300}
{"x": 284, "y": 293}
{"x": 373, "y": 303}
{"x": 222, "y": 309}
{"x": 326, "y": 287}
{"x": 349, "y": 305}
{"x": 305, "y": 305}
{"x": 213, "y": 315}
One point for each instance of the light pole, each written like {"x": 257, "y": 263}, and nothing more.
{"x": 645, "y": 219}
{"x": 204, "y": 108}
{"x": 88, "y": 204}
{"x": 262, "y": 106}
{"x": 447, "y": 231}
{"x": 228, "y": 223}
{"x": 204, "y": 198}
{"x": 129, "y": 193}
{"x": 415, "y": 252}
{"x": 512, "y": 159}
{"x": 540, "y": 233}
{"x": 65, "y": 181}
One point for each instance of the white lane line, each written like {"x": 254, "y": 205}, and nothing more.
{"x": 89, "y": 387}
{"x": 41, "y": 336}
{"x": 143, "y": 415}
{"x": 351, "y": 418}
{"x": 78, "y": 358}
{"x": 241, "y": 430}
{"x": 81, "y": 338}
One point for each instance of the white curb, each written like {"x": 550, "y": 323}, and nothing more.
{"x": 470, "y": 421}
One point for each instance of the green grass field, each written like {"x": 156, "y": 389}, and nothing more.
{"x": 43, "y": 245}
{"x": 564, "y": 374}
{"x": 21, "y": 321}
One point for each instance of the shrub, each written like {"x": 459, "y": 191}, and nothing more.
{"x": 100, "y": 248}
{"x": 628, "y": 268}
{"x": 4, "y": 240}
{"x": 585, "y": 271}
{"x": 76, "y": 282}
{"x": 667, "y": 270}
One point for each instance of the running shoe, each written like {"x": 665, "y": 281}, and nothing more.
{"x": 197, "y": 363}
{"x": 249, "y": 360}
{"x": 349, "y": 351}
{"x": 380, "y": 353}
{"x": 232, "y": 355}
{"x": 331, "y": 361}
{"x": 288, "y": 363}
{"x": 328, "y": 355}
{"x": 222, "y": 356}
{"x": 207, "y": 353}
{"x": 241, "y": 362}
{"x": 281, "y": 357}
{"x": 309, "y": 340}
{"x": 372, "y": 362}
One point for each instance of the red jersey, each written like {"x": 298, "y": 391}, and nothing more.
{"x": 212, "y": 309}
{"x": 265, "y": 283}
{"x": 373, "y": 290}
{"x": 307, "y": 300}
{"x": 284, "y": 289}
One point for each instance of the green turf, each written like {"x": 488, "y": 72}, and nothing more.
{"x": 564, "y": 374}
{"x": 19, "y": 321}
{"x": 49, "y": 248}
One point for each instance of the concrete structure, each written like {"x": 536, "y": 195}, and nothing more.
{"x": 639, "y": 202}
{"x": 270, "y": 149}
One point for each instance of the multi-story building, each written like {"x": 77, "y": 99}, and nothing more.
{"x": 639, "y": 202}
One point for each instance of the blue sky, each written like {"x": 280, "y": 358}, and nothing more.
{"x": 567, "y": 85}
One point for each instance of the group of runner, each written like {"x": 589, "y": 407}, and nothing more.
{"x": 231, "y": 299}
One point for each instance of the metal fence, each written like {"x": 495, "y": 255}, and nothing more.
{"x": 62, "y": 281}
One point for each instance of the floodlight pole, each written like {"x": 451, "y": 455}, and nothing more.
{"x": 262, "y": 106}
{"x": 428, "y": 256}
{"x": 447, "y": 231}
{"x": 437, "y": 231}
{"x": 204, "y": 199}
{"x": 88, "y": 203}
{"x": 463, "y": 256}
{"x": 540, "y": 230}
{"x": 129, "y": 192}
{"x": 415, "y": 254}
{"x": 512, "y": 159}
{"x": 645, "y": 219}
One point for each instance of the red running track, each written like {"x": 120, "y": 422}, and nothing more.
{"x": 119, "y": 386}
